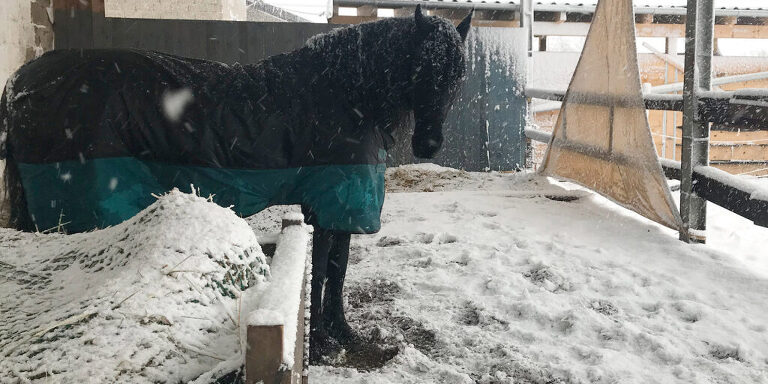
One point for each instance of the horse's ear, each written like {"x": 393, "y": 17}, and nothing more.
{"x": 421, "y": 23}
{"x": 463, "y": 27}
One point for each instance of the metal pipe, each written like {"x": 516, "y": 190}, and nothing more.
{"x": 699, "y": 32}
{"x": 677, "y": 87}
{"x": 526, "y": 22}
{"x": 552, "y": 94}
{"x": 538, "y": 135}
{"x": 667, "y": 58}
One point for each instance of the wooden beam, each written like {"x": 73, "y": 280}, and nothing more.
{"x": 81, "y": 21}
{"x": 496, "y": 23}
{"x": 726, "y": 20}
{"x": 351, "y": 19}
{"x": 545, "y": 28}
{"x": 367, "y": 11}
{"x": 451, "y": 13}
{"x": 405, "y": 11}
{"x": 96, "y": 6}
{"x": 552, "y": 17}
{"x": 644, "y": 18}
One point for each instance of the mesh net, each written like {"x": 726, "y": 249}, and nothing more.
{"x": 602, "y": 139}
{"x": 152, "y": 300}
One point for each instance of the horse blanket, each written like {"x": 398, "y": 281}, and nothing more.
{"x": 121, "y": 125}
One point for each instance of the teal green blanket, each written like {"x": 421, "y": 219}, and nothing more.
{"x": 108, "y": 191}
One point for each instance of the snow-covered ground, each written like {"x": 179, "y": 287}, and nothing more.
{"x": 497, "y": 278}
{"x": 476, "y": 277}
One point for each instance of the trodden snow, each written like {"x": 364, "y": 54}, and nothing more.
{"x": 497, "y": 278}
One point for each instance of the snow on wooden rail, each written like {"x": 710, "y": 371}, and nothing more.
{"x": 734, "y": 193}
{"x": 733, "y": 108}
{"x": 276, "y": 341}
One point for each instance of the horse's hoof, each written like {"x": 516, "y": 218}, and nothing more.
{"x": 343, "y": 333}
{"x": 323, "y": 349}
{"x": 367, "y": 355}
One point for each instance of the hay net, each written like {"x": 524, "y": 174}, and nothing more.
{"x": 154, "y": 299}
{"x": 602, "y": 139}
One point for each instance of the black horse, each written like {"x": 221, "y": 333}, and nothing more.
{"x": 89, "y": 135}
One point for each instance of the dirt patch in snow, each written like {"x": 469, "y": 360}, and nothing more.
{"x": 423, "y": 178}
{"x": 372, "y": 311}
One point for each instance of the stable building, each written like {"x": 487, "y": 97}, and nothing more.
{"x": 660, "y": 28}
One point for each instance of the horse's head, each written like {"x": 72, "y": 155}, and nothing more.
{"x": 439, "y": 67}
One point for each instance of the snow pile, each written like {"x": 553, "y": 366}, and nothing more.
{"x": 496, "y": 285}
{"x": 154, "y": 299}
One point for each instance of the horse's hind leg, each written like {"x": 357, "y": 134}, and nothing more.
{"x": 333, "y": 301}
{"x": 13, "y": 201}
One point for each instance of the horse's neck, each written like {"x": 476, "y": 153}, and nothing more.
{"x": 371, "y": 63}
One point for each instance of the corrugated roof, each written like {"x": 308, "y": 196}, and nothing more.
{"x": 748, "y": 8}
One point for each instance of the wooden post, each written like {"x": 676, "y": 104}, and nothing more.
{"x": 299, "y": 363}
{"x": 287, "y": 222}
{"x": 301, "y": 349}
{"x": 77, "y": 23}
{"x": 42, "y": 22}
{"x": 264, "y": 357}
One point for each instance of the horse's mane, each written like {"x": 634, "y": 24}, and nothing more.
{"x": 363, "y": 50}
{"x": 369, "y": 62}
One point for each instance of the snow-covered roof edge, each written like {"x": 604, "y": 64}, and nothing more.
{"x": 280, "y": 13}
{"x": 552, "y": 6}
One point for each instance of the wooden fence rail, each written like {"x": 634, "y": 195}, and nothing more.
{"x": 267, "y": 356}
{"x": 731, "y": 192}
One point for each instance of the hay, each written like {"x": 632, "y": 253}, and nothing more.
{"x": 153, "y": 299}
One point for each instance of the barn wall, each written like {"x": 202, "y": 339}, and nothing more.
{"x": 175, "y": 9}
{"x": 16, "y": 36}
{"x": 25, "y": 33}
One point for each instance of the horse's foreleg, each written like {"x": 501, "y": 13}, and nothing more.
{"x": 333, "y": 302}
{"x": 321, "y": 246}
{"x": 320, "y": 342}
{"x": 333, "y": 308}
